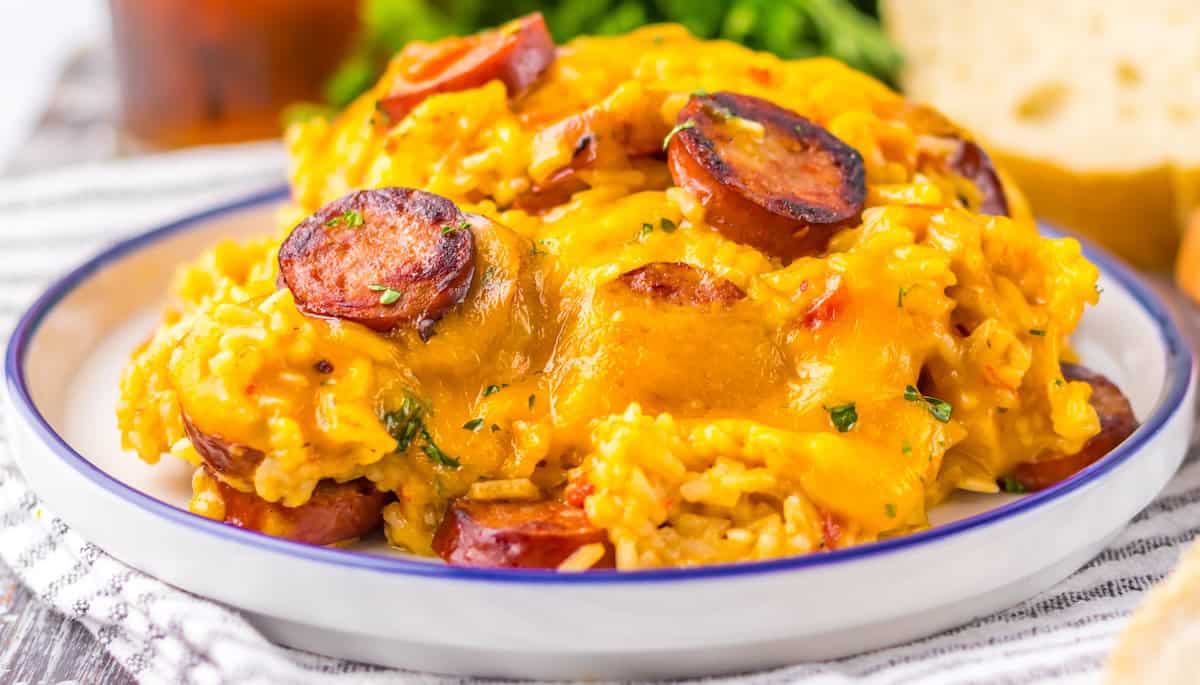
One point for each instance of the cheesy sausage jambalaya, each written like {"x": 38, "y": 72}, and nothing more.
{"x": 634, "y": 301}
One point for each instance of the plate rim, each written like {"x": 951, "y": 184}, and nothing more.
{"x": 1179, "y": 370}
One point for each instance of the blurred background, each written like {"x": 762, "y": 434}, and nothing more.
{"x": 1092, "y": 105}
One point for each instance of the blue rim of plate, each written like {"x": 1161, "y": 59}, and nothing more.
{"x": 1179, "y": 370}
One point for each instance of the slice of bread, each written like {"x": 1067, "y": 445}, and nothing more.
{"x": 1187, "y": 267}
{"x": 1161, "y": 643}
{"x": 1092, "y": 105}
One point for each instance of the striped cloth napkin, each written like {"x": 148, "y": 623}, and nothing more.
{"x": 164, "y": 635}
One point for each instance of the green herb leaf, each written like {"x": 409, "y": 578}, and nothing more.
{"x": 900, "y": 296}
{"x": 495, "y": 428}
{"x": 1012, "y": 485}
{"x": 940, "y": 409}
{"x": 890, "y": 510}
{"x": 386, "y": 294}
{"x": 1059, "y": 382}
{"x": 349, "y": 218}
{"x": 699, "y": 93}
{"x": 678, "y": 127}
{"x": 532, "y": 399}
{"x": 1038, "y": 332}
{"x": 448, "y": 229}
{"x": 437, "y": 456}
{"x": 473, "y": 425}
{"x": 667, "y": 225}
{"x": 646, "y": 230}
{"x": 407, "y": 422}
{"x": 493, "y": 389}
{"x": 906, "y": 449}
{"x": 843, "y": 416}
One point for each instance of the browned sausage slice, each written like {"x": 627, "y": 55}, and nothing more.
{"x": 602, "y": 136}
{"x": 335, "y": 512}
{"x": 386, "y": 258}
{"x": 222, "y": 456}
{"x": 766, "y": 176}
{"x": 972, "y": 163}
{"x": 1117, "y": 422}
{"x": 679, "y": 283}
{"x": 514, "y": 534}
{"x": 948, "y": 146}
{"x": 515, "y": 54}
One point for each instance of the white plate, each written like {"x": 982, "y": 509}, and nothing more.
{"x": 375, "y": 605}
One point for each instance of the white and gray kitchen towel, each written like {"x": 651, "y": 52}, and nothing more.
{"x": 165, "y": 635}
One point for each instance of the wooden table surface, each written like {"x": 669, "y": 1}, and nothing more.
{"x": 38, "y": 645}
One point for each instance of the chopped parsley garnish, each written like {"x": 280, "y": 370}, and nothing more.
{"x": 437, "y": 456}
{"x": 535, "y": 251}
{"x": 890, "y": 510}
{"x": 448, "y": 229}
{"x": 900, "y": 296}
{"x": 678, "y": 127}
{"x": 473, "y": 425}
{"x": 940, "y": 409}
{"x": 667, "y": 225}
{"x": 349, "y": 218}
{"x": 494, "y": 388}
{"x": 905, "y": 448}
{"x": 532, "y": 399}
{"x": 1038, "y": 332}
{"x": 646, "y": 230}
{"x": 495, "y": 428}
{"x": 1012, "y": 485}
{"x": 699, "y": 93}
{"x": 1099, "y": 289}
{"x": 1058, "y": 382}
{"x": 407, "y": 423}
{"x": 386, "y": 294}
{"x": 843, "y": 416}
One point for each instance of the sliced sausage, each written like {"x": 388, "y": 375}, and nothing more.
{"x": 559, "y": 186}
{"x": 515, "y": 534}
{"x": 766, "y": 176}
{"x": 602, "y": 136}
{"x": 335, "y": 512}
{"x": 386, "y": 258}
{"x": 515, "y": 54}
{"x": 972, "y": 163}
{"x": 679, "y": 283}
{"x": 1117, "y": 422}
{"x": 949, "y": 147}
{"x": 222, "y": 456}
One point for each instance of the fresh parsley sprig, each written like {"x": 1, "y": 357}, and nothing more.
{"x": 407, "y": 423}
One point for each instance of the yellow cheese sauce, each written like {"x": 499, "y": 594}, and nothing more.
{"x": 707, "y": 433}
